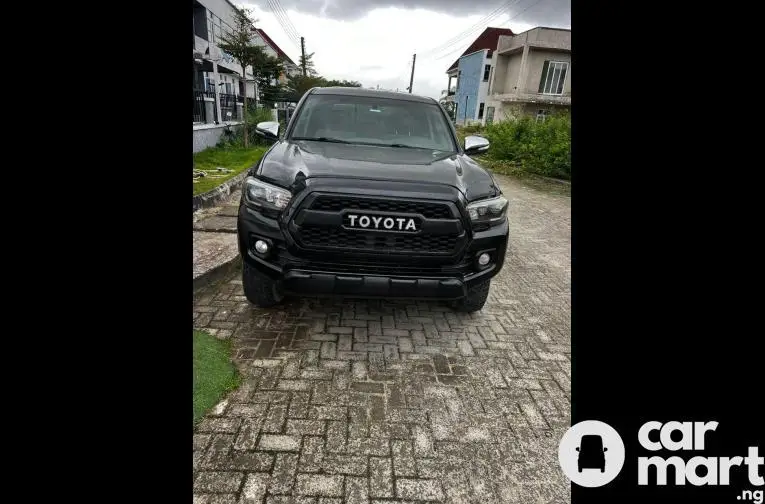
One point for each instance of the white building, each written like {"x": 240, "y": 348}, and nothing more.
{"x": 532, "y": 74}
{"x": 216, "y": 74}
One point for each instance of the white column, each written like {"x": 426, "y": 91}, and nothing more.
{"x": 217, "y": 97}
{"x": 520, "y": 86}
{"x": 209, "y": 110}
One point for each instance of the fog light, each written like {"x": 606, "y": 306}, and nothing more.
{"x": 261, "y": 247}
{"x": 483, "y": 259}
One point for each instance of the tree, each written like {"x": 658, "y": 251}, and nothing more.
{"x": 448, "y": 107}
{"x": 297, "y": 85}
{"x": 238, "y": 43}
{"x": 307, "y": 63}
{"x": 265, "y": 69}
{"x": 342, "y": 83}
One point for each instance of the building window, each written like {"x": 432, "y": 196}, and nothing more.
{"x": 489, "y": 115}
{"x": 553, "y": 77}
{"x": 209, "y": 83}
{"x": 486, "y": 72}
{"x": 480, "y": 111}
{"x": 200, "y": 21}
{"x": 542, "y": 114}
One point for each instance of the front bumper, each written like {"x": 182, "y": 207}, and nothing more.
{"x": 308, "y": 273}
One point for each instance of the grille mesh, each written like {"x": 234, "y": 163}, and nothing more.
{"x": 428, "y": 210}
{"x": 335, "y": 237}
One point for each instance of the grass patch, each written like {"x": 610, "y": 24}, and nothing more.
{"x": 236, "y": 159}
{"x": 530, "y": 179}
{"x": 214, "y": 373}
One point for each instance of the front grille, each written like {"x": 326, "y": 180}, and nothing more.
{"x": 335, "y": 237}
{"x": 427, "y": 209}
{"x": 316, "y": 236}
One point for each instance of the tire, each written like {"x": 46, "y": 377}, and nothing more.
{"x": 475, "y": 299}
{"x": 259, "y": 289}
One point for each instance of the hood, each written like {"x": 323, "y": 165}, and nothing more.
{"x": 286, "y": 162}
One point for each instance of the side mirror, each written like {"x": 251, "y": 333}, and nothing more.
{"x": 577, "y": 448}
{"x": 268, "y": 129}
{"x": 605, "y": 449}
{"x": 475, "y": 144}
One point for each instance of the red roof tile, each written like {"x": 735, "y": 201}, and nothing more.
{"x": 273, "y": 45}
{"x": 486, "y": 40}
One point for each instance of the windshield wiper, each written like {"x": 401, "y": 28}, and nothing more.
{"x": 401, "y": 146}
{"x": 323, "y": 139}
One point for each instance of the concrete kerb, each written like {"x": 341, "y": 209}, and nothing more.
{"x": 213, "y": 197}
{"x": 218, "y": 273}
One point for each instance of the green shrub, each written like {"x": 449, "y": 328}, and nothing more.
{"x": 233, "y": 136}
{"x": 541, "y": 147}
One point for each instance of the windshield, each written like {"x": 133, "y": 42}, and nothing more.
{"x": 373, "y": 121}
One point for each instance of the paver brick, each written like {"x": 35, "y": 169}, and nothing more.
{"x": 399, "y": 401}
{"x": 319, "y": 484}
{"x": 218, "y": 481}
{"x": 274, "y": 442}
{"x": 420, "y": 489}
{"x": 380, "y": 477}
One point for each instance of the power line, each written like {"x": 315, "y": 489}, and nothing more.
{"x": 521, "y": 12}
{"x": 286, "y": 18}
{"x": 291, "y": 35}
{"x": 479, "y": 25}
{"x": 450, "y": 50}
{"x": 445, "y": 55}
{"x": 288, "y": 30}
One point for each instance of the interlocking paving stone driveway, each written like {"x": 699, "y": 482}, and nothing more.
{"x": 356, "y": 401}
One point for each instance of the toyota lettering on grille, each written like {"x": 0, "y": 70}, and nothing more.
{"x": 381, "y": 222}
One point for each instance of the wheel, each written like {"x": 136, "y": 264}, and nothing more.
{"x": 259, "y": 289}
{"x": 475, "y": 299}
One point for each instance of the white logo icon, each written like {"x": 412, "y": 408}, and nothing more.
{"x": 591, "y": 453}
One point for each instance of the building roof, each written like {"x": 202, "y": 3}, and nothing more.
{"x": 273, "y": 45}
{"x": 486, "y": 40}
{"x": 356, "y": 91}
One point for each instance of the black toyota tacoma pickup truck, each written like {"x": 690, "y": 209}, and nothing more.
{"x": 369, "y": 194}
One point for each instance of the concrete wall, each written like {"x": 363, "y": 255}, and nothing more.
{"x": 208, "y": 135}
{"x": 558, "y": 38}
{"x": 512, "y": 70}
{"x": 499, "y": 72}
{"x": 537, "y": 58}
{"x": 471, "y": 75}
{"x": 509, "y": 111}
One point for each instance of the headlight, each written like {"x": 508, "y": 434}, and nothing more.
{"x": 488, "y": 211}
{"x": 260, "y": 194}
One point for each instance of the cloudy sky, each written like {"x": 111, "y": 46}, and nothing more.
{"x": 372, "y": 41}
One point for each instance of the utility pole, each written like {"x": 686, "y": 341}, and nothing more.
{"x": 302, "y": 49}
{"x": 411, "y": 78}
